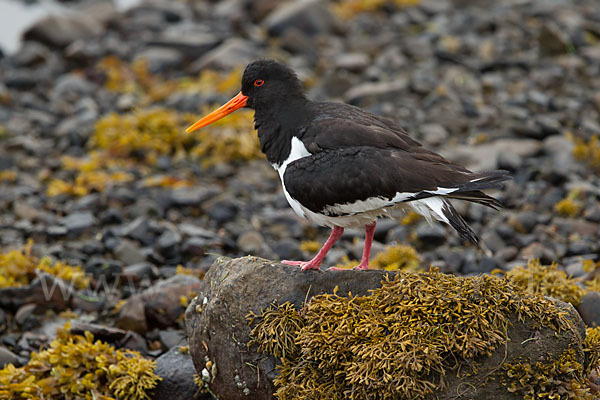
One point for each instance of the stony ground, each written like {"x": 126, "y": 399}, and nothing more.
{"x": 96, "y": 171}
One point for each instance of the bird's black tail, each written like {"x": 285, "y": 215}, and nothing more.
{"x": 458, "y": 223}
{"x": 471, "y": 191}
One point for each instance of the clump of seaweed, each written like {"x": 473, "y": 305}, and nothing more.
{"x": 546, "y": 280}
{"x": 142, "y": 135}
{"x": 591, "y": 349}
{"x": 277, "y": 330}
{"x": 8, "y": 176}
{"x": 18, "y": 268}
{"x": 76, "y": 366}
{"x": 588, "y": 152}
{"x": 393, "y": 258}
{"x": 348, "y": 9}
{"x": 569, "y": 206}
{"x": 562, "y": 379}
{"x": 400, "y": 341}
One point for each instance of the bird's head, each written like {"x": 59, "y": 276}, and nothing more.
{"x": 265, "y": 84}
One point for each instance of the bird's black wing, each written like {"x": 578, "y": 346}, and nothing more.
{"x": 337, "y": 126}
{"x": 350, "y": 174}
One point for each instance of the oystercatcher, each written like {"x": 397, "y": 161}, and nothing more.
{"x": 343, "y": 167}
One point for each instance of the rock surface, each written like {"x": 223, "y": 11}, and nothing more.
{"x": 218, "y": 330}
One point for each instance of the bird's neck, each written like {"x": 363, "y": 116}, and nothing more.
{"x": 277, "y": 124}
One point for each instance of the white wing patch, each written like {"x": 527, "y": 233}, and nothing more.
{"x": 441, "y": 191}
{"x": 298, "y": 151}
{"x": 430, "y": 208}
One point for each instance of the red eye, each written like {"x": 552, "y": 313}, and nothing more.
{"x": 259, "y": 82}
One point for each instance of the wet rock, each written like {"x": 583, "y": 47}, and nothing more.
{"x": 484, "y": 157}
{"x": 230, "y": 54}
{"x": 138, "y": 229}
{"x": 193, "y": 196}
{"x": 31, "y": 54}
{"x": 163, "y": 299}
{"x": 132, "y": 316}
{"x": 288, "y": 249}
{"x": 353, "y": 62}
{"x": 129, "y": 252}
{"x": 171, "y": 338}
{"x": 194, "y": 246}
{"x": 47, "y": 291}
{"x": 78, "y": 222}
{"x": 552, "y": 40}
{"x": 136, "y": 273}
{"x": 177, "y": 372}
{"x": 120, "y": 337}
{"x": 431, "y": 234}
{"x": 62, "y": 30}
{"x": 217, "y": 328}
{"x": 188, "y": 42}
{"x": 434, "y": 134}
{"x": 311, "y": 17}
{"x": 8, "y": 357}
{"x": 589, "y": 309}
{"x": 222, "y": 211}
{"x": 160, "y": 59}
{"x": 103, "y": 268}
{"x": 25, "y": 313}
{"x": 253, "y": 242}
{"x": 168, "y": 244}
{"x": 372, "y": 92}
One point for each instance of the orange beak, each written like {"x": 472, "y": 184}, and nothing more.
{"x": 237, "y": 102}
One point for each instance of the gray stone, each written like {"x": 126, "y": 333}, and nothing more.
{"x": 8, "y": 357}
{"x": 168, "y": 243}
{"x": 353, "y": 62}
{"x": 370, "y": 92}
{"x": 129, "y": 252}
{"x": 589, "y": 309}
{"x": 552, "y": 40}
{"x": 218, "y": 330}
{"x": 138, "y": 229}
{"x": 171, "y": 338}
{"x": 434, "y": 134}
{"x": 62, "y": 30}
{"x": 78, "y": 222}
{"x": 194, "y": 246}
{"x": 484, "y": 157}
{"x": 160, "y": 59}
{"x": 310, "y": 16}
{"x": 162, "y": 300}
{"x": 232, "y": 53}
{"x": 252, "y": 242}
{"x": 138, "y": 272}
{"x": 431, "y": 234}
{"x": 103, "y": 268}
{"x": 193, "y": 196}
{"x": 177, "y": 372}
{"x": 132, "y": 316}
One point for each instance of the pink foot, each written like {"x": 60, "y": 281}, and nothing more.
{"x": 357, "y": 268}
{"x": 304, "y": 265}
{"x": 295, "y": 263}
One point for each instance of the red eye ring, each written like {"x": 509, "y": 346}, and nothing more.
{"x": 259, "y": 82}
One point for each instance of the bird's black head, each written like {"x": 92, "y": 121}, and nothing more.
{"x": 266, "y": 82}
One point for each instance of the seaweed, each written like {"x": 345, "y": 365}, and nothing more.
{"x": 399, "y": 342}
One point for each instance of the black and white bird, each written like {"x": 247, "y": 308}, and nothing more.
{"x": 343, "y": 167}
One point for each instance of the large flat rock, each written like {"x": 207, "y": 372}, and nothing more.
{"x": 218, "y": 330}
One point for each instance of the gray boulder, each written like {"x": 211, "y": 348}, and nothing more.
{"x": 218, "y": 330}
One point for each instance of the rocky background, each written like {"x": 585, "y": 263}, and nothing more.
{"x": 97, "y": 173}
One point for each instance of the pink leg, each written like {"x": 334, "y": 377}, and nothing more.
{"x": 364, "y": 262}
{"x": 315, "y": 263}
{"x": 369, "y": 232}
